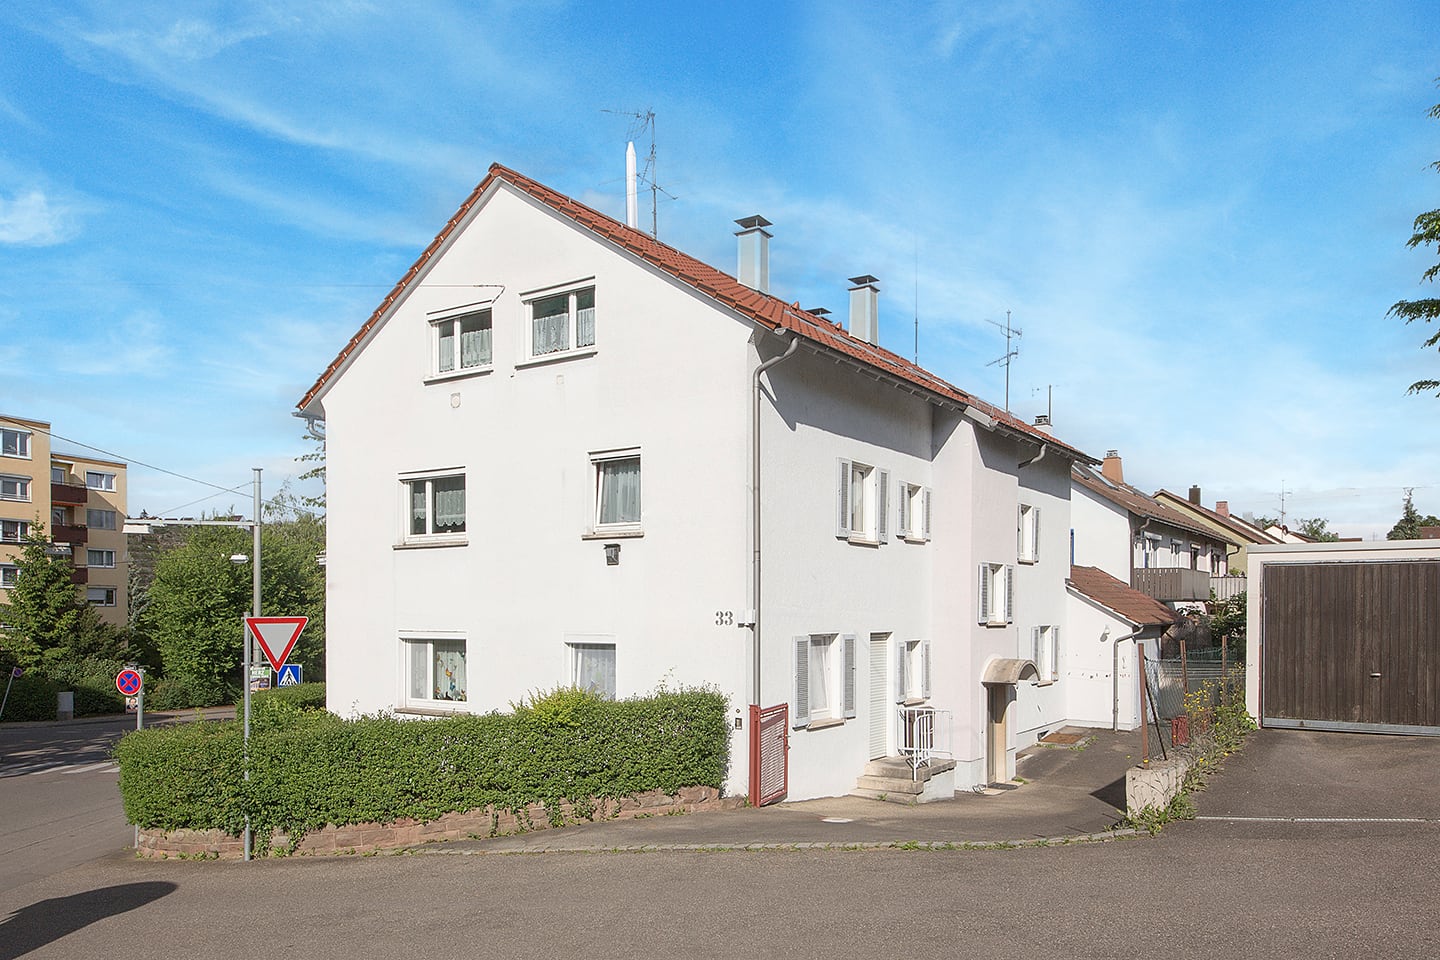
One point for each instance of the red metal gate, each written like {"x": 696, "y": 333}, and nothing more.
{"x": 769, "y": 753}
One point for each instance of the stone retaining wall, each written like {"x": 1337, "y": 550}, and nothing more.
{"x": 485, "y": 822}
{"x": 1157, "y": 784}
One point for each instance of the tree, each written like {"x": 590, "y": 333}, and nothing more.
{"x": 1426, "y": 232}
{"x": 1410, "y": 522}
{"x": 1318, "y": 528}
{"x": 316, "y": 472}
{"x": 1265, "y": 523}
{"x": 45, "y": 620}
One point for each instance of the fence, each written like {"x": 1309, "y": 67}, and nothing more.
{"x": 1228, "y": 587}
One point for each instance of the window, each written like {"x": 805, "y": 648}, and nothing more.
{"x": 1029, "y": 535}
{"x": 912, "y": 670}
{"x": 592, "y": 668}
{"x": 914, "y": 513}
{"x": 1194, "y": 556}
{"x": 824, "y": 679}
{"x": 14, "y": 442}
{"x": 58, "y": 475}
{"x": 617, "y": 489}
{"x": 9, "y": 575}
{"x": 100, "y": 558}
{"x": 1150, "y": 551}
{"x": 13, "y": 531}
{"x": 435, "y": 507}
{"x": 100, "y": 519}
{"x": 96, "y": 480}
{"x": 14, "y": 488}
{"x": 863, "y": 501}
{"x": 434, "y": 670}
{"x": 461, "y": 343}
{"x": 100, "y": 596}
{"x": 560, "y": 320}
{"x": 996, "y": 593}
{"x": 1045, "y": 651}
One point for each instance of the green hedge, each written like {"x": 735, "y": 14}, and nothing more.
{"x": 305, "y": 696}
{"x": 32, "y": 695}
{"x": 309, "y": 768}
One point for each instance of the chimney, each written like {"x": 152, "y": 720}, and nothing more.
{"x": 822, "y": 314}
{"x": 1042, "y": 422}
{"x": 1195, "y": 494}
{"x": 865, "y": 309}
{"x": 754, "y": 270}
{"x": 1222, "y": 507}
{"x": 1110, "y": 469}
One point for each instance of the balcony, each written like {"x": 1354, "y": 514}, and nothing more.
{"x": 1171, "y": 583}
{"x": 69, "y": 493}
{"x": 62, "y": 533}
{"x": 80, "y": 575}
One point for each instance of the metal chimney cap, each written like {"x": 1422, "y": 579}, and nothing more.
{"x": 864, "y": 280}
{"x": 754, "y": 222}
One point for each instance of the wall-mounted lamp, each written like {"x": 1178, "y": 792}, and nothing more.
{"x": 612, "y": 554}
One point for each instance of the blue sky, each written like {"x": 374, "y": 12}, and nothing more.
{"x": 1196, "y": 213}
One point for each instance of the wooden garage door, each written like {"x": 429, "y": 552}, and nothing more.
{"x": 1352, "y": 646}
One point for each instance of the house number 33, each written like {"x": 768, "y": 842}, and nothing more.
{"x": 724, "y": 618}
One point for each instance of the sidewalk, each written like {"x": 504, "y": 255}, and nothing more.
{"x": 1062, "y": 793}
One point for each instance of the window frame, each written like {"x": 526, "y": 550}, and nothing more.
{"x": 873, "y": 511}
{"x": 841, "y": 649}
{"x": 105, "y": 484}
{"x": 108, "y": 599}
{"x": 21, "y": 486}
{"x": 1027, "y": 547}
{"x": 1045, "y": 652}
{"x": 913, "y": 499}
{"x": 912, "y": 671}
{"x": 22, "y": 530}
{"x": 430, "y": 537}
{"x": 23, "y": 439}
{"x": 600, "y": 460}
{"x": 995, "y": 594}
{"x": 409, "y": 642}
{"x": 90, "y": 562}
{"x": 9, "y": 575}
{"x": 455, "y": 318}
{"x": 572, "y": 292}
{"x": 576, "y": 647}
{"x": 109, "y": 519}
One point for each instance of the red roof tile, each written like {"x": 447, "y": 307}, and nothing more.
{"x": 1139, "y": 609}
{"x": 1143, "y": 505}
{"x": 721, "y": 287}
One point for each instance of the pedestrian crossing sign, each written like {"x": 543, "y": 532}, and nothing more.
{"x": 290, "y": 675}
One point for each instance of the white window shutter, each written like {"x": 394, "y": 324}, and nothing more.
{"x": 904, "y": 511}
{"x": 1054, "y": 653}
{"x": 902, "y": 692}
{"x": 802, "y": 683}
{"x": 842, "y": 526}
{"x": 983, "y": 593}
{"x": 1020, "y": 530}
{"x": 1035, "y": 650}
{"x": 1035, "y": 538}
{"x": 882, "y": 506}
{"x": 848, "y": 702}
{"x": 925, "y": 668}
{"x": 1009, "y": 593}
{"x": 925, "y": 521}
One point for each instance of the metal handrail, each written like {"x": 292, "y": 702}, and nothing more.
{"x": 920, "y": 736}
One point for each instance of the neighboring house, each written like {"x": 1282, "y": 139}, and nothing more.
{"x": 80, "y": 501}
{"x": 1152, "y": 547}
{"x": 1220, "y": 521}
{"x": 1106, "y": 621}
{"x": 544, "y": 452}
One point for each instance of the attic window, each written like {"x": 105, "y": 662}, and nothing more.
{"x": 561, "y": 323}
{"x": 462, "y": 344}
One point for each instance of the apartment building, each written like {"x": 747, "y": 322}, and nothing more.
{"x": 80, "y": 501}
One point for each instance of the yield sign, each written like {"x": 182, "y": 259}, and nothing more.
{"x": 277, "y": 636}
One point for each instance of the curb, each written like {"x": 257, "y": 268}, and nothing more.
{"x": 440, "y": 849}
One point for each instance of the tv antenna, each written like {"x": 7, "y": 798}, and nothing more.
{"x": 1011, "y": 333}
{"x": 1283, "y": 496}
{"x": 642, "y": 122}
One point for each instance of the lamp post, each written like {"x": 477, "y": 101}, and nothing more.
{"x": 248, "y": 649}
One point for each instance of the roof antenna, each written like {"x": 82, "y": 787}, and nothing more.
{"x": 1010, "y": 353}
{"x": 641, "y": 122}
{"x": 917, "y": 299}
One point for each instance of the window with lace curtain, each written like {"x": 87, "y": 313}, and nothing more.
{"x": 434, "y": 508}
{"x": 461, "y": 344}
{"x": 435, "y": 674}
{"x": 617, "y": 490}
{"x": 561, "y": 323}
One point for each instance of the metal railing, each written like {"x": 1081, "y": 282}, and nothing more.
{"x": 923, "y": 736}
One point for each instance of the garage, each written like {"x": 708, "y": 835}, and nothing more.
{"x": 1348, "y": 636}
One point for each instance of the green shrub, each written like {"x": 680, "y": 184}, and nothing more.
{"x": 306, "y": 696}
{"x": 309, "y": 768}
{"x": 32, "y": 697}
{"x": 176, "y": 693}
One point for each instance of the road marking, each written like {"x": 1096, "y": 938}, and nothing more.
{"x": 36, "y": 769}
{"x": 1324, "y": 819}
{"x": 105, "y": 766}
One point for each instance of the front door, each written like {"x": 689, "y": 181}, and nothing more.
{"x": 997, "y": 734}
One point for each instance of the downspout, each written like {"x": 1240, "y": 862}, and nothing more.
{"x": 1115, "y": 681}
{"x": 754, "y": 617}
{"x": 1035, "y": 459}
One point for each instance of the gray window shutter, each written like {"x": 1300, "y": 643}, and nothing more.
{"x": 882, "y": 506}
{"x": 925, "y": 668}
{"x": 901, "y": 692}
{"x": 1020, "y": 530}
{"x": 842, "y": 527}
{"x": 904, "y": 511}
{"x": 849, "y": 694}
{"x": 1054, "y": 653}
{"x": 1009, "y": 593}
{"x": 802, "y": 683}
{"x": 925, "y": 521}
{"x": 983, "y": 593}
{"x": 1035, "y": 540}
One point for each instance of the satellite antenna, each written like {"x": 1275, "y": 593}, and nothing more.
{"x": 1011, "y": 333}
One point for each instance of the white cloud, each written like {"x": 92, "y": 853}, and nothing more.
{"x": 31, "y": 219}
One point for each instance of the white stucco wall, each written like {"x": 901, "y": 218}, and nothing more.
{"x": 1102, "y": 533}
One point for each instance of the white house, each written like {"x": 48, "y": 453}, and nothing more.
{"x": 544, "y": 451}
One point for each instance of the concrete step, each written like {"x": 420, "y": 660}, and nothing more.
{"x": 891, "y": 785}
{"x": 899, "y": 767}
{"x": 907, "y": 799}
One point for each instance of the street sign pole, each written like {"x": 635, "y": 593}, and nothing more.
{"x": 140, "y": 702}
{"x": 245, "y": 737}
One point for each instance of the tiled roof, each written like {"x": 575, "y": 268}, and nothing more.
{"x": 720, "y": 287}
{"x": 1245, "y": 532}
{"x": 1139, "y": 609}
{"x": 1131, "y": 499}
